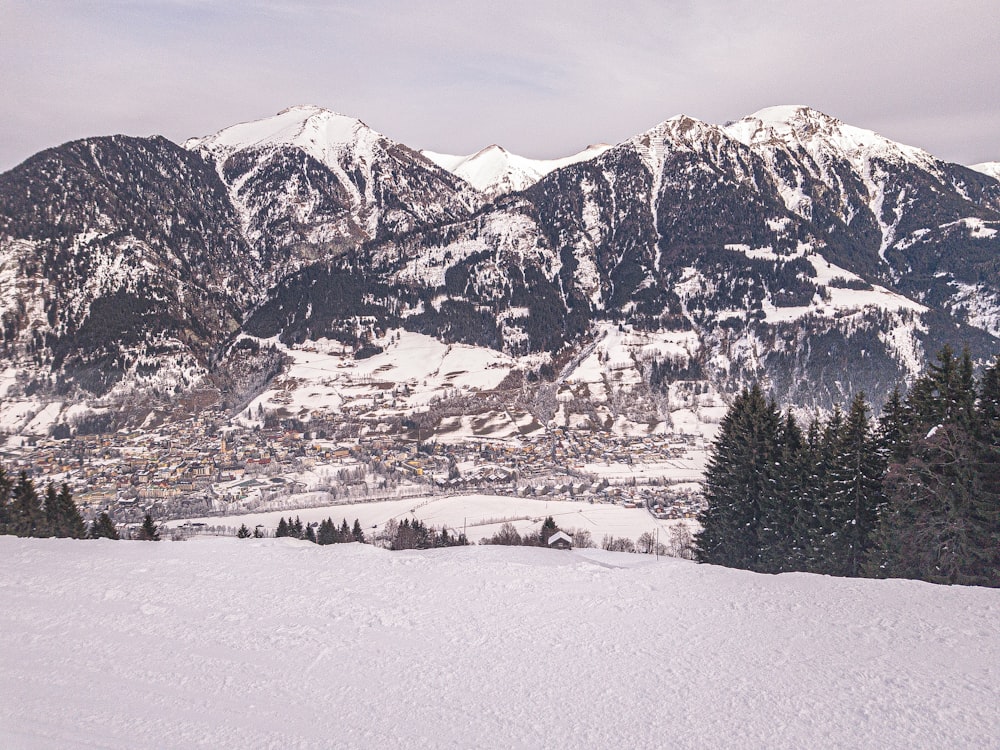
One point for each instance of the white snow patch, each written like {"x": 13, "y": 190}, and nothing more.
{"x": 494, "y": 170}
{"x": 988, "y": 168}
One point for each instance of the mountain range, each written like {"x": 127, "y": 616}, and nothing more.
{"x": 789, "y": 246}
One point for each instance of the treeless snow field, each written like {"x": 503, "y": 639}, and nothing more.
{"x": 225, "y": 643}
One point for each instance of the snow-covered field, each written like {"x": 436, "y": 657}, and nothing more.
{"x": 480, "y": 515}
{"x": 223, "y": 643}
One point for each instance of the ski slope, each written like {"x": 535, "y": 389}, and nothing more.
{"x": 225, "y": 643}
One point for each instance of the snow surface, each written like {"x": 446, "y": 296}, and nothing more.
{"x": 989, "y": 168}
{"x": 324, "y": 376}
{"x": 225, "y": 643}
{"x": 494, "y": 170}
{"x": 317, "y": 131}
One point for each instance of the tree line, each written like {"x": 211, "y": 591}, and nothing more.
{"x": 396, "y": 536}
{"x": 25, "y": 512}
{"x": 915, "y": 494}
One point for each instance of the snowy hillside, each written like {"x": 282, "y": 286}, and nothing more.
{"x": 989, "y": 168}
{"x": 227, "y": 643}
{"x": 495, "y": 171}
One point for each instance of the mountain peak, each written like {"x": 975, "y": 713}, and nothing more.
{"x": 313, "y": 129}
{"x": 786, "y": 114}
{"x": 811, "y": 129}
{"x": 495, "y": 170}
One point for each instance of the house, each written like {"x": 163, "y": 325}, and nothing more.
{"x": 560, "y": 540}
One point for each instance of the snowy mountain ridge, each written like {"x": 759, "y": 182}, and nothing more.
{"x": 495, "y": 171}
{"x": 785, "y": 247}
{"x": 989, "y": 168}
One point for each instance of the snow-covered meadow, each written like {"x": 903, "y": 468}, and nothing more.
{"x": 222, "y": 643}
{"x": 479, "y": 515}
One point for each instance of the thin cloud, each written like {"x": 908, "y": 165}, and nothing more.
{"x": 542, "y": 77}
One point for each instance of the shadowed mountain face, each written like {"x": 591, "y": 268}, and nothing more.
{"x": 818, "y": 255}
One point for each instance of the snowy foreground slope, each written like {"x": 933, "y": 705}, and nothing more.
{"x": 227, "y": 643}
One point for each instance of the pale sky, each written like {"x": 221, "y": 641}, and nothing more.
{"x": 543, "y": 78}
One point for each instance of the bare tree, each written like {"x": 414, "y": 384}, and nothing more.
{"x": 681, "y": 542}
{"x": 646, "y": 543}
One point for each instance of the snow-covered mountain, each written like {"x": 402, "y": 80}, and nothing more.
{"x": 787, "y": 246}
{"x": 317, "y": 183}
{"x": 495, "y": 171}
{"x": 989, "y": 168}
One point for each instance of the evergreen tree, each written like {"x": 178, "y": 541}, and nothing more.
{"x": 62, "y": 515}
{"x": 894, "y": 430}
{"x": 405, "y": 537}
{"x": 148, "y": 532}
{"x": 930, "y": 528}
{"x": 357, "y": 533}
{"x": 5, "y": 510}
{"x": 740, "y": 482}
{"x": 282, "y": 529}
{"x": 310, "y": 535}
{"x": 50, "y": 507}
{"x": 244, "y": 532}
{"x": 939, "y": 520}
{"x": 327, "y": 533}
{"x": 778, "y": 542}
{"x": 855, "y": 488}
{"x": 988, "y": 462}
{"x": 295, "y": 529}
{"x": 103, "y": 528}
{"x": 806, "y": 524}
{"x": 27, "y": 515}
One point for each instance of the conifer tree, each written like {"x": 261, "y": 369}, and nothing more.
{"x": 148, "y": 532}
{"x": 5, "y": 489}
{"x": 327, "y": 533}
{"x": 310, "y": 535}
{"x": 988, "y": 422}
{"x": 27, "y": 515}
{"x": 894, "y": 429}
{"x": 70, "y": 523}
{"x": 282, "y": 529}
{"x": 806, "y": 530}
{"x": 778, "y": 544}
{"x": 740, "y": 482}
{"x": 51, "y": 512}
{"x": 937, "y": 523}
{"x": 357, "y": 533}
{"x": 855, "y": 488}
{"x": 244, "y": 532}
{"x": 103, "y": 528}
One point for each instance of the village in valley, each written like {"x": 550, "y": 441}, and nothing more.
{"x": 204, "y": 467}
{"x": 421, "y": 419}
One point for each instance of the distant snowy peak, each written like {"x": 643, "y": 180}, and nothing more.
{"x": 321, "y": 133}
{"x": 818, "y": 133}
{"x": 494, "y": 170}
{"x": 988, "y": 168}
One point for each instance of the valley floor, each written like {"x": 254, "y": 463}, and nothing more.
{"x": 223, "y": 643}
